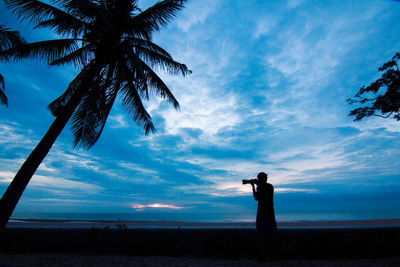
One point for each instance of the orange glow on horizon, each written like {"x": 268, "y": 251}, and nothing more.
{"x": 141, "y": 207}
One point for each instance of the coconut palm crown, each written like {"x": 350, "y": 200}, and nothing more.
{"x": 111, "y": 42}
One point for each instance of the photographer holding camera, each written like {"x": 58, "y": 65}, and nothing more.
{"x": 264, "y": 194}
{"x": 265, "y": 222}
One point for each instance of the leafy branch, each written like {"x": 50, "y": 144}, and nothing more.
{"x": 382, "y": 97}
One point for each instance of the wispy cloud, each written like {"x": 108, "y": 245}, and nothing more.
{"x": 308, "y": 53}
{"x": 196, "y": 12}
{"x": 294, "y": 3}
{"x": 288, "y": 190}
{"x": 118, "y": 121}
{"x": 62, "y": 183}
{"x": 12, "y": 135}
{"x": 267, "y": 93}
{"x": 135, "y": 173}
{"x": 235, "y": 188}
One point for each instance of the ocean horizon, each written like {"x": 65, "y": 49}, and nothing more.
{"x": 196, "y": 217}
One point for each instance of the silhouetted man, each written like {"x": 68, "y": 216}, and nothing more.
{"x": 264, "y": 194}
{"x": 265, "y": 223}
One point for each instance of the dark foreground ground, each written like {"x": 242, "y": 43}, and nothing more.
{"x": 197, "y": 247}
{"x": 76, "y": 260}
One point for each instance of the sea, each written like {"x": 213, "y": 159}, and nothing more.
{"x": 138, "y": 216}
{"x": 198, "y": 217}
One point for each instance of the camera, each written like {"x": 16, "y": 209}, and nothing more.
{"x": 251, "y": 181}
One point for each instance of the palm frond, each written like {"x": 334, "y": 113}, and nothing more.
{"x": 111, "y": 95}
{"x": 133, "y": 105}
{"x": 9, "y": 39}
{"x": 86, "y": 117}
{"x": 102, "y": 121}
{"x": 78, "y": 57}
{"x": 154, "y": 17}
{"x": 156, "y": 60}
{"x": 90, "y": 117}
{"x": 56, "y": 107}
{"x": 2, "y": 85}
{"x": 138, "y": 42}
{"x": 3, "y": 97}
{"x": 158, "y": 87}
{"x": 132, "y": 68}
{"x": 131, "y": 100}
{"x": 146, "y": 79}
{"x": 83, "y": 9}
{"x": 156, "y": 84}
{"x": 65, "y": 26}
{"x": 50, "y": 50}
{"x": 36, "y": 11}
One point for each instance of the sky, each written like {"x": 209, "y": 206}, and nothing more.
{"x": 267, "y": 93}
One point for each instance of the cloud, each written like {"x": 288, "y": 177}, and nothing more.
{"x": 141, "y": 207}
{"x": 304, "y": 57}
{"x": 267, "y": 93}
{"x": 206, "y": 104}
{"x": 266, "y": 25}
{"x": 6, "y": 177}
{"x": 48, "y": 183}
{"x": 201, "y": 110}
{"x": 136, "y": 168}
{"x": 12, "y": 135}
{"x": 135, "y": 173}
{"x": 62, "y": 183}
{"x": 289, "y": 190}
{"x": 235, "y": 188}
{"x": 117, "y": 121}
{"x": 294, "y": 3}
{"x": 196, "y": 12}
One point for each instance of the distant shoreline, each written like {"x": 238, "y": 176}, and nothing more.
{"x": 53, "y": 223}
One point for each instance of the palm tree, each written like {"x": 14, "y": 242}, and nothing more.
{"x": 8, "y": 39}
{"x": 111, "y": 41}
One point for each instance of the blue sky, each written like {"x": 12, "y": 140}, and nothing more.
{"x": 267, "y": 93}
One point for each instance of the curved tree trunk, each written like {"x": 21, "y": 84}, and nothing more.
{"x": 25, "y": 173}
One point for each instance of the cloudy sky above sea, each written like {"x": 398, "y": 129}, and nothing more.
{"x": 267, "y": 93}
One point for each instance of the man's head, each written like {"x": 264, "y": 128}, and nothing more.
{"x": 262, "y": 176}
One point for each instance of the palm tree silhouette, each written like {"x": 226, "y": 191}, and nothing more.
{"x": 111, "y": 41}
{"x": 8, "y": 39}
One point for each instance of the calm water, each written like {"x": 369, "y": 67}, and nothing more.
{"x": 140, "y": 216}
{"x": 196, "y": 217}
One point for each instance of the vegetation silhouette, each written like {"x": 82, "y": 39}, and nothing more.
{"x": 111, "y": 42}
{"x": 382, "y": 97}
{"x": 8, "y": 39}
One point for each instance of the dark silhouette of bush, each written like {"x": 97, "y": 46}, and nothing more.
{"x": 382, "y": 97}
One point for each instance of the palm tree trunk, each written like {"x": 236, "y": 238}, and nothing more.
{"x": 25, "y": 173}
